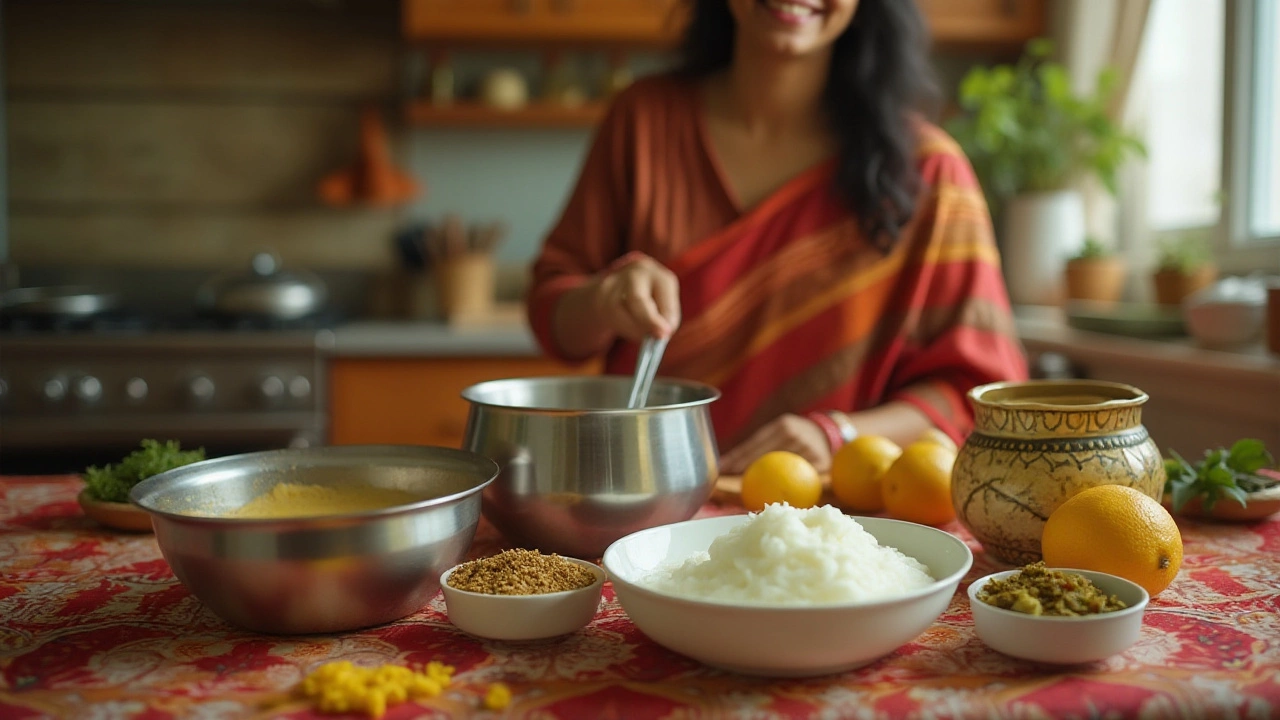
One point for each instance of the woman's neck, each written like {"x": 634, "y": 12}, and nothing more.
{"x": 772, "y": 95}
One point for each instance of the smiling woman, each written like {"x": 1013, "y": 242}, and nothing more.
{"x": 779, "y": 210}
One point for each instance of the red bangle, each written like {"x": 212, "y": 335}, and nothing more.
{"x": 829, "y": 428}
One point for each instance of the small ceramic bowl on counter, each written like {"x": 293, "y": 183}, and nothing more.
{"x": 1060, "y": 640}
{"x": 523, "y": 617}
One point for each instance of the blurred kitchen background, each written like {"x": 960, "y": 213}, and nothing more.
{"x": 254, "y": 223}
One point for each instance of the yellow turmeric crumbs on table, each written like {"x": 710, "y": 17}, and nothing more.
{"x": 343, "y": 687}
{"x": 497, "y": 697}
{"x": 294, "y": 500}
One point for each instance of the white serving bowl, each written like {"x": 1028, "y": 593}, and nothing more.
{"x": 523, "y": 617}
{"x": 781, "y": 641}
{"x": 1062, "y": 640}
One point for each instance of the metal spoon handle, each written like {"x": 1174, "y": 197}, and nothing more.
{"x": 651, "y": 351}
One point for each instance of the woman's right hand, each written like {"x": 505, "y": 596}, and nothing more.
{"x": 639, "y": 299}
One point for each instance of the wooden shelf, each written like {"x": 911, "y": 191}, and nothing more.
{"x": 536, "y": 115}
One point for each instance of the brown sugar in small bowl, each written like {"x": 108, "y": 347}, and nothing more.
{"x": 524, "y": 617}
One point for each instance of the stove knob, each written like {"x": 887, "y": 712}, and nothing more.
{"x": 271, "y": 388}
{"x": 136, "y": 388}
{"x": 89, "y": 389}
{"x": 201, "y": 389}
{"x": 299, "y": 388}
{"x": 54, "y": 390}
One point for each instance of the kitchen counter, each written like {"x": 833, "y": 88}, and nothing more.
{"x": 406, "y": 338}
{"x": 1199, "y": 398}
{"x": 97, "y": 625}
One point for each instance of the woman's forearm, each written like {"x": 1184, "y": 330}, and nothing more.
{"x": 899, "y": 421}
{"x": 580, "y": 330}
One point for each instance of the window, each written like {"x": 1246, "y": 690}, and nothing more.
{"x": 1211, "y": 76}
{"x": 1263, "y": 204}
{"x": 1184, "y": 113}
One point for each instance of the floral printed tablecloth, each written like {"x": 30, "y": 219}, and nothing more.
{"x": 93, "y": 624}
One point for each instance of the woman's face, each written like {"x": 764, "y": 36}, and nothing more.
{"x": 791, "y": 28}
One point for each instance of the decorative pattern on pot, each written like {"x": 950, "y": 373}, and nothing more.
{"x": 1038, "y": 443}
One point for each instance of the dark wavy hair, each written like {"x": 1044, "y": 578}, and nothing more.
{"x": 880, "y": 75}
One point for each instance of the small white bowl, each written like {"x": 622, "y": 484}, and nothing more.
{"x": 1062, "y": 640}
{"x": 523, "y": 617}
{"x": 781, "y": 641}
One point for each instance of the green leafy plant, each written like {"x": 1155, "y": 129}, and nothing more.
{"x": 112, "y": 483}
{"x": 1025, "y": 130}
{"x": 1093, "y": 249}
{"x": 1185, "y": 252}
{"x": 1231, "y": 473}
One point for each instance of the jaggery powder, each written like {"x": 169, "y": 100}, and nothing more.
{"x": 520, "y": 572}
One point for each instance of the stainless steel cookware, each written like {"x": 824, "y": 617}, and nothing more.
{"x": 579, "y": 469}
{"x": 317, "y": 574}
{"x": 62, "y": 301}
{"x": 267, "y": 291}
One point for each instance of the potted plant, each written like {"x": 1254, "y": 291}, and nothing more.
{"x": 1095, "y": 274}
{"x": 1030, "y": 139}
{"x": 1184, "y": 264}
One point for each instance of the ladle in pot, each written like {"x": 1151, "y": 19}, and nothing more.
{"x": 651, "y": 351}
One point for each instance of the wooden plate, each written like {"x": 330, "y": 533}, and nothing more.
{"x": 1261, "y": 505}
{"x": 117, "y": 516}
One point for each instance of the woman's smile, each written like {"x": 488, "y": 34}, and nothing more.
{"x": 791, "y": 12}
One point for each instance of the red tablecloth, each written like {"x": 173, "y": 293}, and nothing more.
{"x": 93, "y": 624}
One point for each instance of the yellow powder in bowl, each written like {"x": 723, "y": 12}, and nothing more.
{"x": 293, "y": 500}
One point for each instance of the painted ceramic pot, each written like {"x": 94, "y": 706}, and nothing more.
{"x": 1035, "y": 444}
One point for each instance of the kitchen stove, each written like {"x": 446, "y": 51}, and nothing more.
{"x": 85, "y": 390}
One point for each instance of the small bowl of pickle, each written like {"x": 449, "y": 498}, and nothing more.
{"x": 1059, "y": 616}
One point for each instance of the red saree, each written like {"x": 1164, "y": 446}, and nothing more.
{"x": 787, "y": 308}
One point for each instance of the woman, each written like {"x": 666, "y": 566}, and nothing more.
{"x": 810, "y": 246}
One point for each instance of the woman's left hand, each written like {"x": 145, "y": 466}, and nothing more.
{"x": 788, "y": 432}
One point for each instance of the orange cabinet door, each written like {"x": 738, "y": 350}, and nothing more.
{"x": 984, "y": 21}
{"x": 415, "y": 401}
{"x": 641, "y": 22}
{"x": 622, "y": 20}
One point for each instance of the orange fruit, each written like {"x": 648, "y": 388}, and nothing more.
{"x": 917, "y": 487}
{"x": 778, "y": 477}
{"x": 856, "y": 471}
{"x": 1116, "y": 530}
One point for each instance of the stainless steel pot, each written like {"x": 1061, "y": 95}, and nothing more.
{"x": 578, "y": 470}
{"x": 317, "y": 574}
{"x": 267, "y": 291}
{"x": 63, "y": 301}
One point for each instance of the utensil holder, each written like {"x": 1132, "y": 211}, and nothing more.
{"x": 466, "y": 284}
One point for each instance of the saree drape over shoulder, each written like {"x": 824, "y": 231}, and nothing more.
{"x": 786, "y": 306}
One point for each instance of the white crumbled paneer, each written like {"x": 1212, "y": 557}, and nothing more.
{"x": 789, "y": 556}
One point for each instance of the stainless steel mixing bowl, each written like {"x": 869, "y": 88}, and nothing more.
{"x": 317, "y": 574}
{"x": 578, "y": 470}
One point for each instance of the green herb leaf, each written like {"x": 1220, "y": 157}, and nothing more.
{"x": 1183, "y": 493}
{"x": 1249, "y": 456}
{"x": 112, "y": 483}
{"x": 1236, "y": 494}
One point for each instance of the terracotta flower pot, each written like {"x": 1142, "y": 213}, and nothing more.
{"x": 1038, "y": 443}
{"x": 1097, "y": 279}
{"x": 1172, "y": 286}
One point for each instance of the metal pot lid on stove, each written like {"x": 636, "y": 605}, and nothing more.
{"x": 64, "y": 300}
{"x": 267, "y": 291}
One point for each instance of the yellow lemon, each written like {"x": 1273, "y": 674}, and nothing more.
{"x": 1116, "y": 530}
{"x": 917, "y": 487}
{"x": 857, "y": 469}
{"x": 780, "y": 477}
